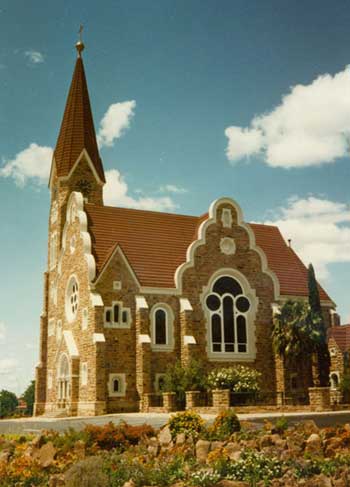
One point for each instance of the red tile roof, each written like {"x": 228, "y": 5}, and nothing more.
{"x": 341, "y": 335}
{"x": 155, "y": 244}
{"x": 77, "y": 129}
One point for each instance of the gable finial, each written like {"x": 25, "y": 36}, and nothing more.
{"x": 80, "y": 45}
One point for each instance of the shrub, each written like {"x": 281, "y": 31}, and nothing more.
{"x": 281, "y": 425}
{"x": 88, "y": 472}
{"x": 237, "y": 379}
{"x": 226, "y": 423}
{"x": 112, "y": 436}
{"x": 180, "y": 379}
{"x": 187, "y": 422}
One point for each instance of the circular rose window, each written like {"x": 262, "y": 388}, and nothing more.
{"x": 72, "y": 299}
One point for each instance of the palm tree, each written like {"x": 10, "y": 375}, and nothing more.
{"x": 294, "y": 332}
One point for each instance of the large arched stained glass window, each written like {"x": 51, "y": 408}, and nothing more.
{"x": 228, "y": 308}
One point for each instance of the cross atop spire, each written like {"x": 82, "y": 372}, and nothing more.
{"x": 80, "y": 45}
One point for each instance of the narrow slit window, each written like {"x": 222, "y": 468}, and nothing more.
{"x": 160, "y": 327}
{"x": 116, "y": 313}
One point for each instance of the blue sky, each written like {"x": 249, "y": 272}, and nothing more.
{"x": 198, "y": 99}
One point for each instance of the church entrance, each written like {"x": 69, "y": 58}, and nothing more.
{"x": 63, "y": 382}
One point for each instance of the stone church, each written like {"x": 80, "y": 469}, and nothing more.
{"x": 127, "y": 292}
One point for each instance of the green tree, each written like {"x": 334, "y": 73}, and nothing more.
{"x": 28, "y": 396}
{"x": 180, "y": 379}
{"x": 8, "y": 403}
{"x": 322, "y": 358}
{"x": 294, "y": 335}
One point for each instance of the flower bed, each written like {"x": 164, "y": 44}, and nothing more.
{"x": 219, "y": 455}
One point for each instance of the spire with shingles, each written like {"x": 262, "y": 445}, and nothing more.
{"x": 77, "y": 129}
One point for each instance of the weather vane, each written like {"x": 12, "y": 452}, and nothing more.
{"x": 80, "y": 45}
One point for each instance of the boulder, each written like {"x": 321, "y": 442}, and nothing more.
{"x": 314, "y": 444}
{"x": 308, "y": 427}
{"x": 319, "y": 481}
{"x": 164, "y": 436}
{"x": 38, "y": 441}
{"x": 332, "y": 446}
{"x": 180, "y": 439}
{"x": 5, "y": 456}
{"x": 216, "y": 445}
{"x": 56, "y": 480}
{"x": 231, "y": 483}
{"x": 130, "y": 483}
{"x": 153, "y": 446}
{"x": 46, "y": 454}
{"x": 202, "y": 450}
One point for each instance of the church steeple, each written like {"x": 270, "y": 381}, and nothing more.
{"x": 77, "y": 129}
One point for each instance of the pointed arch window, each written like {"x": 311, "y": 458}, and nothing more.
{"x": 162, "y": 319}
{"x": 228, "y": 310}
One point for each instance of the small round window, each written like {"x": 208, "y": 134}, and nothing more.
{"x": 72, "y": 299}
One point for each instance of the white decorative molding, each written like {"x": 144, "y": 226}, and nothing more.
{"x": 83, "y": 153}
{"x": 70, "y": 343}
{"x": 226, "y": 217}
{"x": 121, "y": 254}
{"x": 76, "y": 202}
{"x": 83, "y": 374}
{"x": 98, "y": 338}
{"x": 185, "y": 305}
{"x": 189, "y": 340}
{"x": 96, "y": 299}
{"x": 51, "y": 327}
{"x": 141, "y": 303}
{"x": 227, "y": 246}
{"x": 117, "y": 285}
{"x": 201, "y": 240}
{"x": 143, "y": 338}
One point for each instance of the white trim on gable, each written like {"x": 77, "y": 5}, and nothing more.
{"x": 118, "y": 250}
{"x": 83, "y": 153}
{"x": 201, "y": 240}
{"x": 71, "y": 345}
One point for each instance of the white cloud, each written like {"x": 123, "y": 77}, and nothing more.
{"x": 35, "y": 57}
{"x": 311, "y": 126}
{"x": 34, "y": 162}
{"x": 319, "y": 229}
{"x": 114, "y": 122}
{"x": 115, "y": 193}
{"x": 172, "y": 188}
{"x": 8, "y": 366}
{"x": 2, "y": 332}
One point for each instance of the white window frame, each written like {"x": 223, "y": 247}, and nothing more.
{"x": 336, "y": 373}
{"x": 120, "y": 323}
{"x": 156, "y": 381}
{"x": 70, "y": 315}
{"x": 169, "y": 317}
{"x": 84, "y": 318}
{"x": 59, "y": 331}
{"x": 49, "y": 379}
{"x": 84, "y": 374}
{"x": 51, "y": 327}
{"x": 123, "y": 384}
{"x": 250, "y": 315}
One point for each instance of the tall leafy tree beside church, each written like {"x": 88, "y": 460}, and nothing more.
{"x": 8, "y": 403}
{"x": 322, "y": 357}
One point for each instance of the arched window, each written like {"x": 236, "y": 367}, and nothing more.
{"x": 162, "y": 328}
{"x": 63, "y": 382}
{"x": 334, "y": 380}
{"x": 228, "y": 308}
{"x": 72, "y": 299}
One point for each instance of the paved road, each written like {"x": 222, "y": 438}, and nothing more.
{"x": 35, "y": 425}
